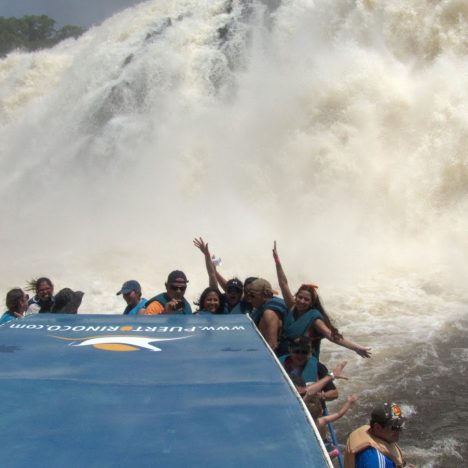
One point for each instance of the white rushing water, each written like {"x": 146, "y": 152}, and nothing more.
{"x": 338, "y": 128}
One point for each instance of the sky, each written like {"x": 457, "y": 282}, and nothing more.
{"x": 77, "y": 12}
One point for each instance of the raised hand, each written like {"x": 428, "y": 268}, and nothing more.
{"x": 337, "y": 371}
{"x": 200, "y": 244}
{"x": 275, "y": 253}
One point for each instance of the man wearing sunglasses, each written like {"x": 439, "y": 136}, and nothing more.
{"x": 172, "y": 301}
{"x": 375, "y": 445}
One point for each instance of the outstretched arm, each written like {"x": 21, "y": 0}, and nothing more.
{"x": 350, "y": 401}
{"x": 316, "y": 387}
{"x": 322, "y": 328}
{"x": 282, "y": 280}
{"x": 210, "y": 268}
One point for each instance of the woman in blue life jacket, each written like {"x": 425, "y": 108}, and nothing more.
{"x": 17, "y": 304}
{"x": 307, "y": 317}
{"x": 211, "y": 302}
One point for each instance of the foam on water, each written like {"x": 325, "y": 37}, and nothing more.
{"x": 338, "y": 128}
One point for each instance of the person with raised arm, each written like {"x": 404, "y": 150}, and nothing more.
{"x": 315, "y": 408}
{"x": 210, "y": 268}
{"x": 307, "y": 317}
{"x": 233, "y": 300}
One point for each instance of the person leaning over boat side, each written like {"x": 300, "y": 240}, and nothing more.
{"x": 172, "y": 301}
{"x": 67, "y": 301}
{"x": 211, "y": 302}
{"x": 307, "y": 317}
{"x": 44, "y": 296}
{"x": 314, "y": 405}
{"x": 329, "y": 392}
{"x": 131, "y": 292}
{"x": 375, "y": 445}
{"x": 268, "y": 311}
{"x": 300, "y": 362}
{"x": 16, "y": 303}
{"x": 233, "y": 288}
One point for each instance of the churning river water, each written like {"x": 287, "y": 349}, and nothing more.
{"x": 338, "y": 128}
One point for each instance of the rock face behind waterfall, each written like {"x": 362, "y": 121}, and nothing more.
{"x": 337, "y": 128}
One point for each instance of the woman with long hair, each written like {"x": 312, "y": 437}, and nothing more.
{"x": 16, "y": 303}
{"x": 211, "y": 302}
{"x": 43, "y": 299}
{"x": 307, "y": 317}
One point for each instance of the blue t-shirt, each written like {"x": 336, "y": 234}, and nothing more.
{"x": 372, "y": 458}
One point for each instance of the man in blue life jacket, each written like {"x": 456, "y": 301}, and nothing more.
{"x": 131, "y": 292}
{"x": 268, "y": 311}
{"x": 375, "y": 445}
{"x": 172, "y": 301}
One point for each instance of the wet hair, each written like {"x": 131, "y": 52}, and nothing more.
{"x": 316, "y": 304}
{"x": 33, "y": 285}
{"x": 13, "y": 299}
{"x": 314, "y": 405}
{"x": 249, "y": 280}
{"x": 301, "y": 342}
{"x": 203, "y": 296}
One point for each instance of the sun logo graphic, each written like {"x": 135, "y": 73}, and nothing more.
{"x": 119, "y": 343}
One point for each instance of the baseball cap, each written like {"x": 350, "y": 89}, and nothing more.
{"x": 129, "y": 286}
{"x": 260, "y": 285}
{"x": 176, "y": 275}
{"x": 387, "y": 414}
{"x": 234, "y": 284}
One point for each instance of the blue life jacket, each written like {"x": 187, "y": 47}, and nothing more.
{"x": 134, "y": 311}
{"x": 309, "y": 373}
{"x": 163, "y": 299}
{"x": 294, "y": 328}
{"x": 6, "y": 317}
{"x": 276, "y": 304}
{"x": 241, "y": 307}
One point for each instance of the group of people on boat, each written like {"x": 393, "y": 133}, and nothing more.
{"x": 19, "y": 304}
{"x": 293, "y": 326}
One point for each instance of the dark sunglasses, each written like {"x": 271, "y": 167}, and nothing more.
{"x": 396, "y": 428}
{"x": 174, "y": 287}
{"x": 300, "y": 351}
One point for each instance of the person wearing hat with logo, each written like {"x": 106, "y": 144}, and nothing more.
{"x": 131, "y": 292}
{"x": 172, "y": 301}
{"x": 268, "y": 311}
{"x": 376, "y": 445}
